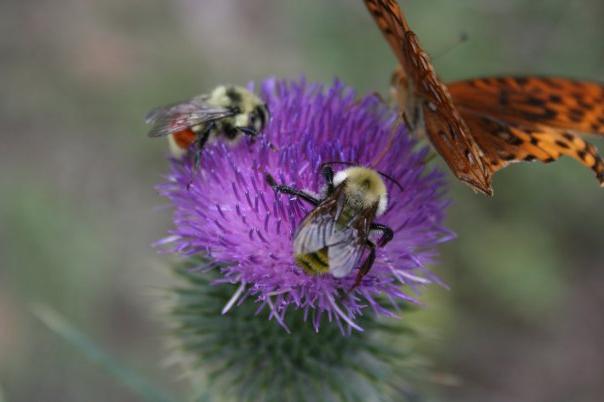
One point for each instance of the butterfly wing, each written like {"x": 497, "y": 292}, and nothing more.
{"x": 166, "y": 120}
{"x": 555, "y": 102}
{"x": 426, "y": 100}
{"x": 532, "y": 118}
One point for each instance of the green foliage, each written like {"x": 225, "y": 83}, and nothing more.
{"x": 243, "y": 356}
{"x": 137, "y": 384}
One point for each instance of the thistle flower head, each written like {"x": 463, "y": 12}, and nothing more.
{"x": 239, "y": 357}
{"x": 227, "y": 212}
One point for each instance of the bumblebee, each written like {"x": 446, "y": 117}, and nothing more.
{"x": 334, "y": 236}
{"x": 225, "y": 114}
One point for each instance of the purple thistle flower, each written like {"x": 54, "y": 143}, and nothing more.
{"x": 228, "y": 212}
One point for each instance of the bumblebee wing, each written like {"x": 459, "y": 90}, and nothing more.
{"x": 345, "y": 255}
{"x": 170, "y": 119}
{"x": 319, "y": 230}
{"x": 314, "y": 233}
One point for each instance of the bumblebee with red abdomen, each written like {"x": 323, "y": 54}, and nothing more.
{"x": 225, "y": 114}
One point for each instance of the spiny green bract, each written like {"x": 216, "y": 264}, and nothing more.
{"x": 239, "y": 357}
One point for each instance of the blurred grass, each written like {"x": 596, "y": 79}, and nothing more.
{"x": 88, "y": 348}
{"x": 78, "y": 210}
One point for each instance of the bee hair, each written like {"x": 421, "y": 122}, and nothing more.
{"x": 357, "y": 164}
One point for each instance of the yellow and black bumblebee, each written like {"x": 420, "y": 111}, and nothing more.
{"x": 333, "y": 237}
{"x": 225, "y": 114}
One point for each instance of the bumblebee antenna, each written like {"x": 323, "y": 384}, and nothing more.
{"x": 392, "y": 179}
{"x": 338, "y": 163}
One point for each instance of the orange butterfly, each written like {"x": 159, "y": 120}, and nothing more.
{"x": 480, "y": 126}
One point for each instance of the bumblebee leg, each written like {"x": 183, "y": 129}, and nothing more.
{"x": 367, "y": 264}
{"x": 254, "y": 135}
{"x": 200, "y": 143}
{"x": 248, "y": 131}
{"x": 387, "y": 233}
{"x": 327, "y": 173}
{"x": 281, "y": 188}
{"x": 197, "y": 159}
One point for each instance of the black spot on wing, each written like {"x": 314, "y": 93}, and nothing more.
{"x": 545, "y": 114}
{"x": 534, "y": 101}
{"x": 576, "y": 115}
{"x": 504, "y": 98}
{"x": 585, "y": 105}
{"x": 555, "y": 99}
{"x": 514, "y": 140}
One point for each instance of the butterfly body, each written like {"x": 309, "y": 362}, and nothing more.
{"x": 480, "y": 126}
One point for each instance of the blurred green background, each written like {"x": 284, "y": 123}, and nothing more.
{"x": 524, "y": 318}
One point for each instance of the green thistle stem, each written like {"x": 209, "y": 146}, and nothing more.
{"x": 242, "y": 356}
